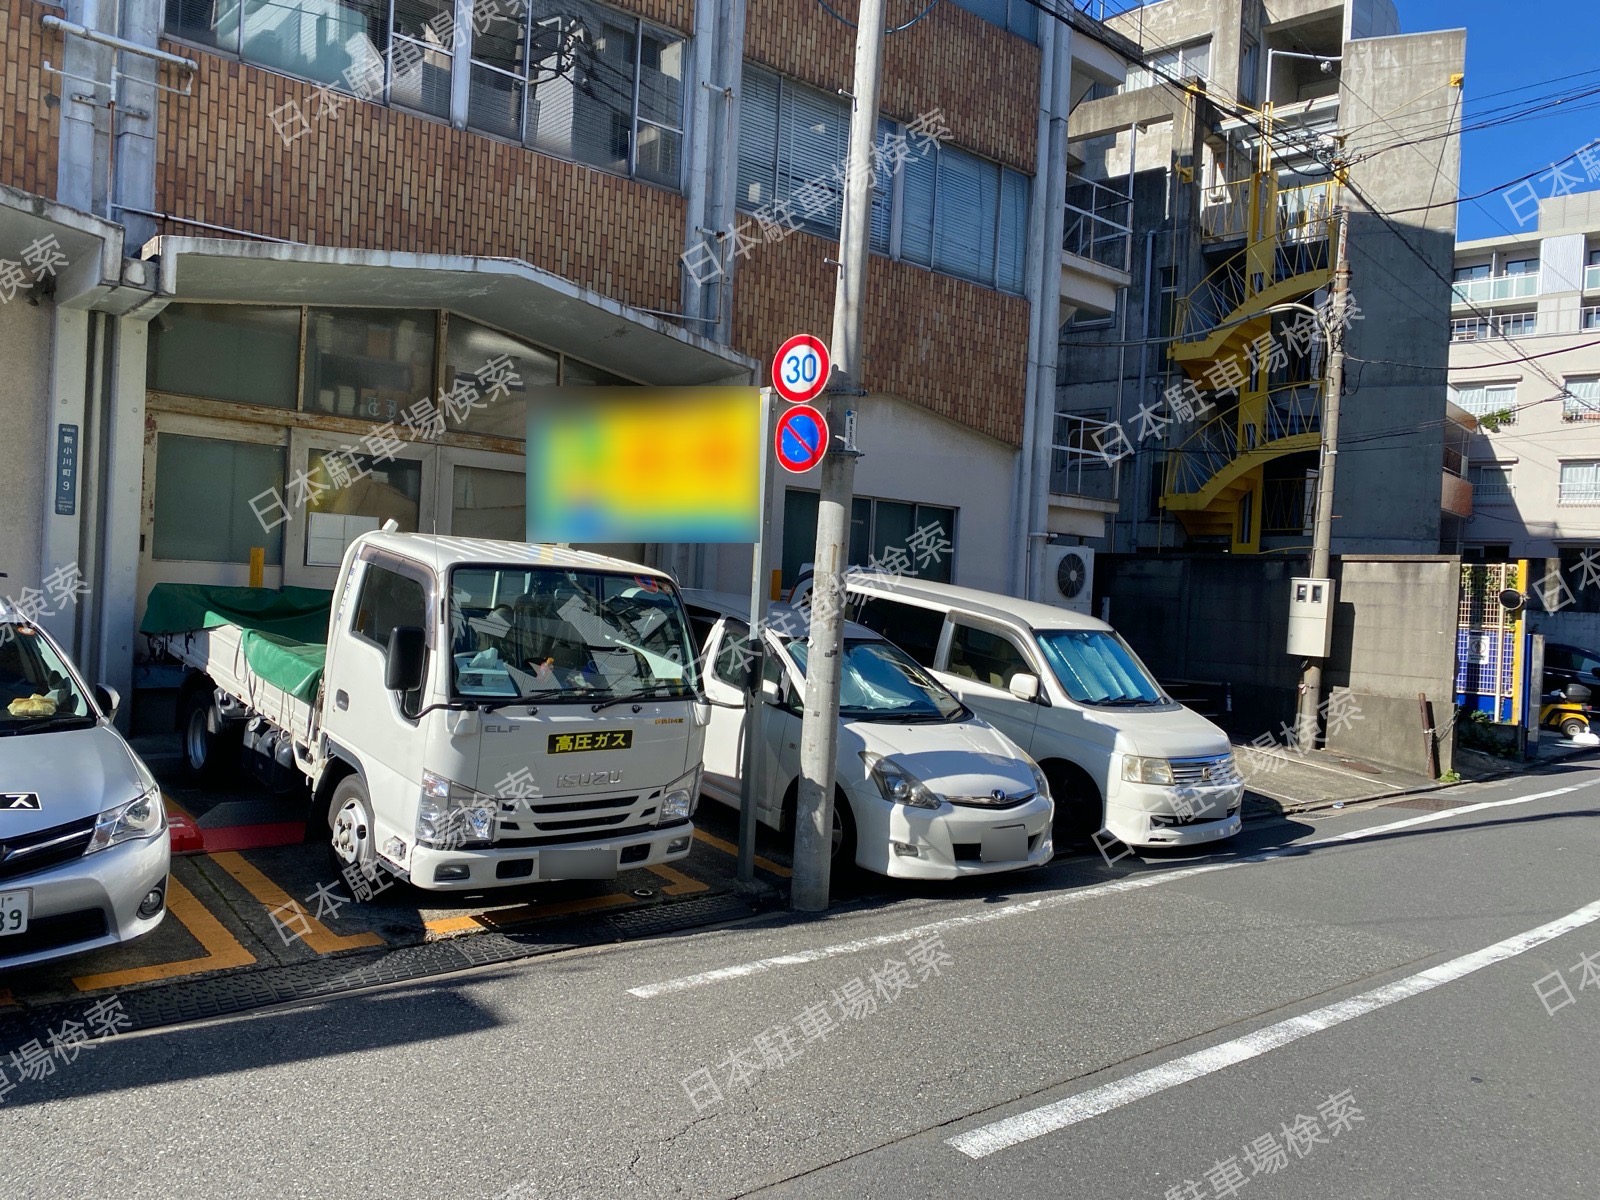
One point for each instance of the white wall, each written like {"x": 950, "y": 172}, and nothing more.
{"x": 27, "y": 477}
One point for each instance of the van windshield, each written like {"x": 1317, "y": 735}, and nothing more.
{"x": 877, "y": 682}
{"x": 556, "y": 633}
{"x": 1098, "y": 667}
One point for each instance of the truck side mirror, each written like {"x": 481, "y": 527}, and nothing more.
{"x": 405, "y": 658}
{"x": 772, "y": 691}
{"x": 1024, "y": 686}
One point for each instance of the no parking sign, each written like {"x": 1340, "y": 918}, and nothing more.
{"x": 802, "y": 439}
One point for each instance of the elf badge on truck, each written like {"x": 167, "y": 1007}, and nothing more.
{"x": 468, "y": 713}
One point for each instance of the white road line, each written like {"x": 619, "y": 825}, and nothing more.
{"x": 1012, "y": 1131}
{"x": 1132, "y": 883}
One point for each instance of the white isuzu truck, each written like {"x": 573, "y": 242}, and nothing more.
{"x": 468, "y": 713}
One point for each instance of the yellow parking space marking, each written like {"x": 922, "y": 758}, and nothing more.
{"x": 524, "y": 913}
{"x": 678, "y": 884}
{"x": 320, "y": 938}
{"x": 222, "y": 949}
{"x": 730, "y": 848}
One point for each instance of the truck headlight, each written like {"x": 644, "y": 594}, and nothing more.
{"x": 453, "y": 816}
{"x": 680, "y": 798}
{"x": 141, "y": 817}
{"x": 1146, "y": 770}
{"x": 896, "y": 784}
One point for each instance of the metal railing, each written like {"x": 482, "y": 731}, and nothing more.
{"x": 1496, "y": 287}
{"x": 1294, "y": 409}
{"x": 1099, "y": 223}
{"x": 1225, "y": 210}
{"x": 1203, "y": 453}
{"x": 1455, "y": 462}
{"x": 1298, "y": 250}
{"x": 1081, "y": 458}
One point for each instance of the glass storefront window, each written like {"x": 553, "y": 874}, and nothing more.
{"x": 370, "y": 364}
{"x": 202, "y": 504}
{"x": 355, "y": 494}
{"x": 226, "y": 352}
{"x": 470, "y": 347}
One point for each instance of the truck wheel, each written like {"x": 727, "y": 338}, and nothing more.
{"x": 210, "y": 747}
{"x": 350, "y": 827}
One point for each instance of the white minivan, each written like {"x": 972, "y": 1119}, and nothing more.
{"x": 926, "y": 789}
{"x": 1119, "y": 753}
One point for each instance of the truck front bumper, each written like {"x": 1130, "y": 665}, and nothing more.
{"x": 506, "y": 866}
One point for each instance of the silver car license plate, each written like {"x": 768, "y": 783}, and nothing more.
{"x": 1007, "y": 844}
{"x": 15, "y": 909}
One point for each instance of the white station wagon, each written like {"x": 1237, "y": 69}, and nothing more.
{"x": 926, "y": 789}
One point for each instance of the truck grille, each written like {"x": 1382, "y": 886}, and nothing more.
{"x": 541, "y": 822}
{"x": 26, "y": 853}
{"x": 1215, "y": 770}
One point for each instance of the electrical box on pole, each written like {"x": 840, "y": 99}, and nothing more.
{"x": 1310, "y": 617}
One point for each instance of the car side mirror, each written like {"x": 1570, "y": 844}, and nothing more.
{"x": 404, "y": 660}
{"x": 1024, "y": 686}
{"x": 108, "y": 700}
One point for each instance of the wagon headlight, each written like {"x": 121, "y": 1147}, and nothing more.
{"x": 141, "y": 817}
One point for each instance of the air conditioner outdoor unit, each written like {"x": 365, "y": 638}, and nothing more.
{"x": 1069, "y": 577}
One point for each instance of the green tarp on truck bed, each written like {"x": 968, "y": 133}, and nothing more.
{"x": 285, "y": 631}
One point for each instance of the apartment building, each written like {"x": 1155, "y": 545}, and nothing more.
{"x": 1212, "y": 178}
{"x": 249, "y": 245}
{"x": 1525, "y": 360}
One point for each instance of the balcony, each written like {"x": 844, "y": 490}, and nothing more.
{"x": 1096, "y": 244}
{"x": 1496, "y": 289}
{"x": 1083, "y": 474}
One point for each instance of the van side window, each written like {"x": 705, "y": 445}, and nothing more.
{"x": 915, "y": 630}
{"x": 985, "y": 657}
{"x": 388, "y": 599}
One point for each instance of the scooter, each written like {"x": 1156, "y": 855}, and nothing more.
{"x": 1569, "y": 710}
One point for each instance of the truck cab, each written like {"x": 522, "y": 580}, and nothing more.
{"x": 501, "y": 712}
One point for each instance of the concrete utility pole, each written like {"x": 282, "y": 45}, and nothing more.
{"x": 819, "y": 733}
{"x": 1322, "y": 530}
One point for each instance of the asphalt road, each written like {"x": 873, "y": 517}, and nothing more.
{"x": 1187, "y": 1026}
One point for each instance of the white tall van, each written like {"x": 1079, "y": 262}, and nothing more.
{"x": 1119, "y": 753}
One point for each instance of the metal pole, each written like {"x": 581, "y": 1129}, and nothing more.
{"x": 1322, "y": 531}
{"x": 751, "y": 754}
{"x": 819, "y": 733}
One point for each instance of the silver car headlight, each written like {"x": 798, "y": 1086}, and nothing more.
{"x": 680, "y": 798}
{"x": 141, "y": 817}
{"x": 452, "y": 816}
{"x": 896, "y": 784}
{"x": 1040, "y": 783}
{"x": 1146, "y": 770}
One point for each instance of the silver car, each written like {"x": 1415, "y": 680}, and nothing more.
{"x": 84, "y": 851}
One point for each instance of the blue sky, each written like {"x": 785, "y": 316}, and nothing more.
{"x": 1506, "y": 50}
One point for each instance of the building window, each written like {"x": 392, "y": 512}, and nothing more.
{"x": 1019, "y": 16}
{"x": 311, "y": 39}
{"x": 1249, "y": 70}
{"x": 1582, "y": 399}
{"x": 919, "y": 539}
{"x": 1591, "y": 317}
{"x": 1485, "y": 399}
{"x": 959, "y": 214}
{"x": 794, "y": 144}
{"x": 1467, "y": 274}
{"x": 371, "y": 364}
{"x": 468, "y": 346}
{"x": 1491, "y": 482}
{"x": 1579, "y": 482}
{"x": 1189, "y": 61}
{"x": 1522, "y": 266}
{"x": 203, "y": 489}
{"x": 229, "y": 352}
{"x": 581, "y": 82}
{"x": 1508, "y": 325}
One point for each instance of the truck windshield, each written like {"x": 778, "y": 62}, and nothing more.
{"x": 1097, "y": 667}
{"x": 37, "y": 692}
{"x": 878, "y": 682}
{"x": 555, "y": 633}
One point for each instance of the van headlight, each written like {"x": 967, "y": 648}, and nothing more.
{"x": 680, "y": 798}
{"x": 452, "y": 816}
{"x": 139, "y": 818}
{"x": 1146, "y": 770}
{"x": 896, "y": 784}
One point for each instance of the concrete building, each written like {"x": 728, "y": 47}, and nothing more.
{"x": 1210, "y": 179}
{"x": 1525, "y": 359}
{"x": 247, "y": 246}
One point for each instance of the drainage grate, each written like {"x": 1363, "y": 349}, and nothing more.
{"x": 223, "y": 995}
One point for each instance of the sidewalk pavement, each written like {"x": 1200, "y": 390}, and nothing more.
{"x": 1281, "y": 781}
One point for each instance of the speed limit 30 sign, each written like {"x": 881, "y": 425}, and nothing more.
{"x": 800, "y": 369}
